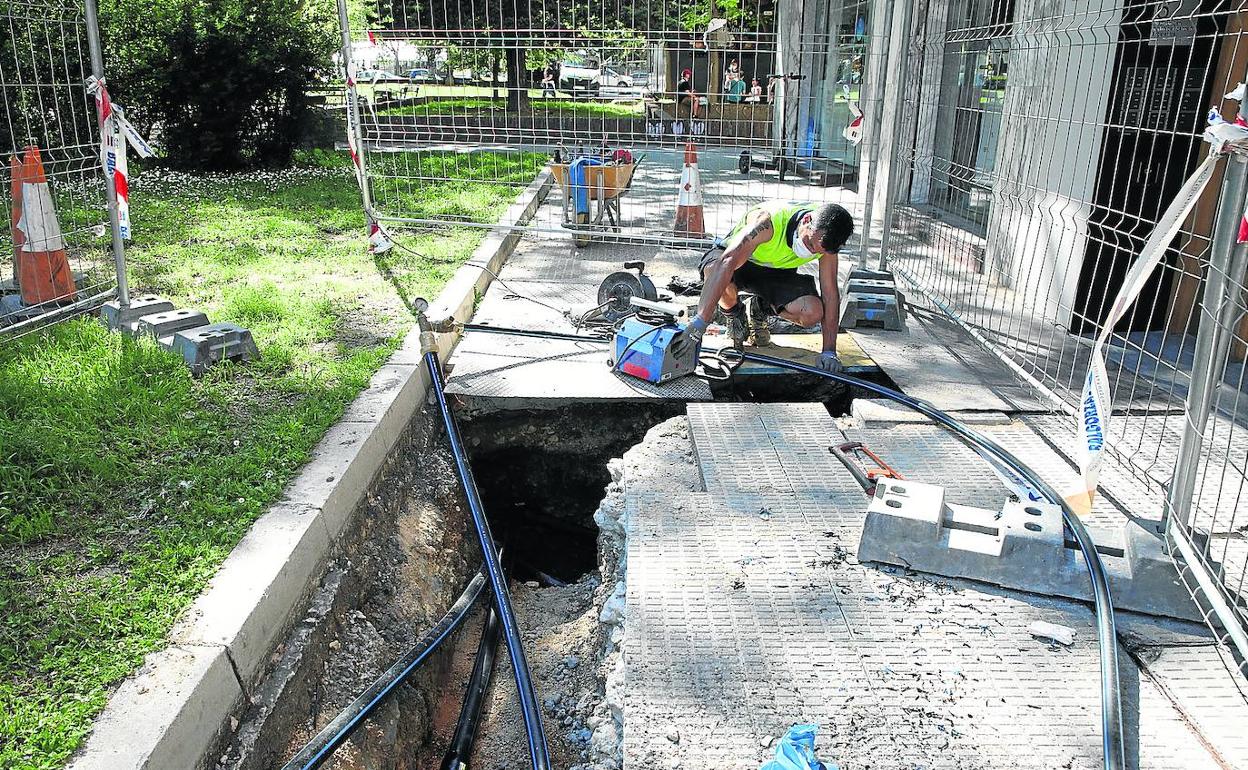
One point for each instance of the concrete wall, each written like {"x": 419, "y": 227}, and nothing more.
{"x": 1057, "y": 95}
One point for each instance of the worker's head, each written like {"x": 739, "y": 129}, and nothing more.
{"x": 823, "y": 231}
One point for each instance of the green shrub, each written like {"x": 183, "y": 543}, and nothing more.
{"x": 221, "y": 84}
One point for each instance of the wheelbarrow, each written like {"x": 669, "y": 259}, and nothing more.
{"x": 604, "y": 186}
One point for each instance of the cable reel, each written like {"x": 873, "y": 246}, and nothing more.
{"x": 617, "y": 290}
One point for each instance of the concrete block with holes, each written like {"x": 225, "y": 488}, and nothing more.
{"x": 203, "y": 346}
{"x": 1022, "y": 546}
{"x": 165, "y": 324}
{"x": 120, "y": 317}
{"x": 871, "y": 299}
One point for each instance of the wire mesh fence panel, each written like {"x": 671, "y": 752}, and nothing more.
{"x": 1045, "y": 142}
{"x": 55, "y": 257}
{"x": 607, "y": 96}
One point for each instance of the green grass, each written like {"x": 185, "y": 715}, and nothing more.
{"x": 537, "y": 106}
{"x": 124, "y": 482}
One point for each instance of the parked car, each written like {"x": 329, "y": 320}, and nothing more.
{"x": 577, "y": 77}
{"x": 420, "y": 75}
{"x": 610, "y": 77}
{"x": 377, "y": 76}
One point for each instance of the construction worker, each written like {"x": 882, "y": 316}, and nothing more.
{"x": 761, "y": 256}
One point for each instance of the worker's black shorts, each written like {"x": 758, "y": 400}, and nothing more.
{"x": 775, "y": 287}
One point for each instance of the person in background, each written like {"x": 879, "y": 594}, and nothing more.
{"x": 756, "y": 92}
{"x": 548, "y": 83}
{"x": 772, "y": 83}
{"x": 685, "y": 92}
{"x": 736, "y": 88}
{"x": 733, "y": 69}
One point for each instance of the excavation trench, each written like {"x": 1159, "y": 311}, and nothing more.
{"x": 542, "y": 475}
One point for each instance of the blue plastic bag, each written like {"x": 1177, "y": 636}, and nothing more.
{"x": 796, "y": 751}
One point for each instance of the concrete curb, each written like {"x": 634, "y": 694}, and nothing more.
{"x": 176, "y": 708}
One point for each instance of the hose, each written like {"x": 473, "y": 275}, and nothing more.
{"x": 538, "y": 752}
{"x": 322, "y": 747}
{"x": 460, "y": 751}
{"x": 1112, "y": 745}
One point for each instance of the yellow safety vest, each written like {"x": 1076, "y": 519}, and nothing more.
{"x": 777, "y": 252}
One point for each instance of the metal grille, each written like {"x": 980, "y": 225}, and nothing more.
{"x": 44, "y": 66}
{"x": 775, "y": 80}
{"x": 1043, "y": 142}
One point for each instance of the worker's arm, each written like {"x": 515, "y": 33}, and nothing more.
{"x": 830, "y": 290}
{"x": 718, "y": 274}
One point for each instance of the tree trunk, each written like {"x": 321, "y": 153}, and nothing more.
{"x": 517, "y": 81}
{"x": 715, "y": 79}
{"x": 494, "y": 75}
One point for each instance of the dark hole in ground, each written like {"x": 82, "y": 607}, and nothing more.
{"x": 542, "y": 474}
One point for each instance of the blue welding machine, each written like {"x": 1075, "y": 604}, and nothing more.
{"x": 644, "y": 351}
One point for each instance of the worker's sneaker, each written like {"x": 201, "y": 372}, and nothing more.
{"x": 760, "y": 333}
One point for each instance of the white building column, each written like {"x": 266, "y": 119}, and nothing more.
{"x": 1052, "y": 128}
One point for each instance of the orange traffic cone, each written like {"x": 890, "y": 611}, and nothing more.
{"x": 690, "y": 219}
{"x": 44, "y": 274}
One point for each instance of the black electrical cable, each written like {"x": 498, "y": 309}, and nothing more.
{"x": 460, "y": 750}
{"x": 538, "y": 752}
{"x": 1112, "y": 745}
{"x": 322, "y": 746}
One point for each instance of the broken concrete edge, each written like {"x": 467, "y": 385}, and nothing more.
{"x": 177, "y": 707}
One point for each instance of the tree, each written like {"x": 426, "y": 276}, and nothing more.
{"x": 224, "y": 82}
{"x": 521, "y": 29}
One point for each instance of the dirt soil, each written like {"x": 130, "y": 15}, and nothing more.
{"x": 563, "y": 642}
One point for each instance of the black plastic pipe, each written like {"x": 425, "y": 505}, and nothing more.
{"x": 460, "y": 751}
{"x": 1112, "y": 746}
{"x": 538, "y": 752}
{"x": 322, "y": 747}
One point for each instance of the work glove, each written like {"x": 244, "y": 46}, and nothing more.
{"x": 690, "y": 335}
{"x": 828, "y": 362}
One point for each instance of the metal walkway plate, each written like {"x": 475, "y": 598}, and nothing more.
{"x": 747, "y": 613}
{"x": 937, "y": 361}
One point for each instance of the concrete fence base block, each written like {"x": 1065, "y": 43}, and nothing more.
{"x": 203, "y": 346}
{"x": 120, "y": 318}
{"x": 169, "y": 322}
{"x": 140, "y": 731}
{"x": 1022, "y": 546}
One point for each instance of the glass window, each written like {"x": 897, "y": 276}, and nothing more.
{"x": 844, "y": 64}
{"x": 976, "y": 68}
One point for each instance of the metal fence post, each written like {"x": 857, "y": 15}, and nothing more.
{"x": 354, "y": 131}
{"x": 873, "y": 122}
{"x": 891, "y": 177}
{"x": 1210, "y": 341}
{"x": 114, "y": 221}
